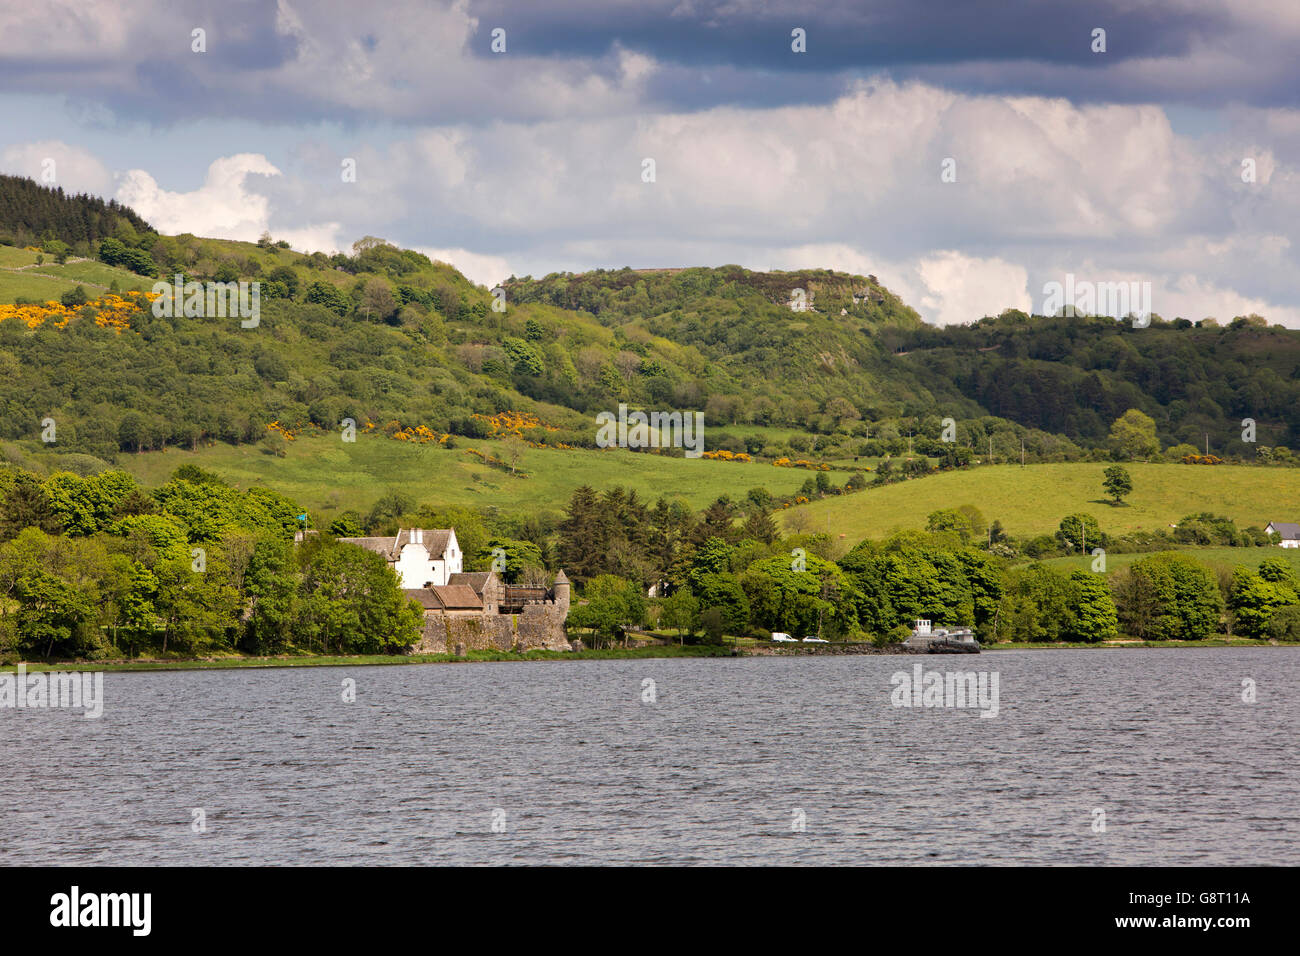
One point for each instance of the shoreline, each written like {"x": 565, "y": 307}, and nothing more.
{"x": 618, "y": 653}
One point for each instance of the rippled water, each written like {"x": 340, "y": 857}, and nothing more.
{"x": 713, "y": 771}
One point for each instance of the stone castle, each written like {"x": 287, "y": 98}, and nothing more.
{"x": 470, "y": 610}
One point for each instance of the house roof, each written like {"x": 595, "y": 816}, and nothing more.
{"x": 447, "y": 597}
{"x": 457, "y": 597}
{"x": 475, "y": 580}
{"x": 428, "y": 600}
{"x": 435, "y": 540}
{"x": 1288, "y": 530}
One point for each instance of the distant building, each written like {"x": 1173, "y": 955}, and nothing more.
{"x": 923, "y": 635}
{"x": 1288, "y": 533}
{"x": 421, "y": 557}
{"x": 479, "y": 611}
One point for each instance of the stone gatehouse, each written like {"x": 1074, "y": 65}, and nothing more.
{"x": 480, "y": 611}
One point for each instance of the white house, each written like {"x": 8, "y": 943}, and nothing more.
{"x": 421, "y": 557}
{"x": 1288, "y": 533}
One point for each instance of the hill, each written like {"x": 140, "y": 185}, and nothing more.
{"x": 327, "y": 476}
{"x": 810, "y": 364}
{"x": 1033, "y": 500}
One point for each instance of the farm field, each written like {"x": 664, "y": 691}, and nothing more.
{"x": 20, "y": 277}
{"x": 1215, "y": 557}
{"x": 327, "y": 476}
{"x": 1032, "y": 500}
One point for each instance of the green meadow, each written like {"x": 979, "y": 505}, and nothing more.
{"x": 1214, "y": 557}
{"x": 327, "y": 476}
{"x": 21, "y": 277}
{"x": 1033, "y": 499}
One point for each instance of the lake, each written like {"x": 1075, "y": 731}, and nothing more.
{"x": 733, "y": 761}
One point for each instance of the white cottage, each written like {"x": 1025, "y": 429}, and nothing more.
{"x": 1288, "y": 534}
{"x": 421, "y": 557}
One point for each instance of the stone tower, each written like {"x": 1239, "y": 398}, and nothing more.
{"x": 561, "y": 588}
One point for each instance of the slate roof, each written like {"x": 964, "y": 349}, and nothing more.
{"x": 1287, "y": 530}
{"x": 448, "y": 597}
{"x": 476, "y": 580}
{"x": 435, "y": 540}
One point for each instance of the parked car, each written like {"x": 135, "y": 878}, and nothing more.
{"x": 814, "y": 640}
{"x": 784, "y": 638}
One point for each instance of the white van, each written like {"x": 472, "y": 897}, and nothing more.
{"x": 783, "y": 637}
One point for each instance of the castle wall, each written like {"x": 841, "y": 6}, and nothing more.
{"x": 536, "y": 626}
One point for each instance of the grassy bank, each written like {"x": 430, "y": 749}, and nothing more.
{"x": 616, "y": 653}
{"x": 371, "y": 660}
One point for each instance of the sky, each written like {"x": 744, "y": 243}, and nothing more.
{"x": 967, "y": 153}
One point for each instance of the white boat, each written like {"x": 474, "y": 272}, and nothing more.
{"x": 942, "y": 640}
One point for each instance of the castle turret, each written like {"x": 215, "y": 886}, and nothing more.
{"x": 561, "y": 589}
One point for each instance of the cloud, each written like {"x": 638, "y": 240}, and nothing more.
{"x": 480, "y": 269}
{"x": 418, "y": 61}
{"x": 54, "y": 163}
{"x": 224, "y": 207}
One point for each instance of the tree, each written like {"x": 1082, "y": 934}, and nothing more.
{"x": 74, "y": 298}
{"x": 1117, "y": 483}
{"x": 1079, "y": 531}
{"x": 508, "y": 557}
{"x": 723, "y": 593}
{"x": 1255, "y": 598}
{"x": 951, "y": 521}
{"x": 352, "y": 601}
{"x": 760, "y": 526}
{"x": 348, "y": 525}
{"x": 1169, "y": 596}
{"x": 613, "y": 605}
{"x": 817, "y": 597}
{"x": 1096, "y": 618}
{"x": 1133, "y": 435}
{"x": 377, "y": 299}
{"x": 678, "y": 611}
{"x": 54, "y": 616}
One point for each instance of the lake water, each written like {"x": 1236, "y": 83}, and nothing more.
{"x": 726, "y": 763}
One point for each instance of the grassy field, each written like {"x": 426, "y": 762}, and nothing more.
{"x": 1032, "y": 500}
{"x": 1215, "y": 557}
{"x": 327, "y": 476}
{"x": 20, "y": 277}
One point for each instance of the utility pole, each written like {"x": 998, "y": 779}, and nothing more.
{"x": 1022, "y": 453}
{"x": 990, "y": 449}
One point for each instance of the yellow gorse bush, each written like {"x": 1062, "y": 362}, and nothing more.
{"x": 112, "y": 311}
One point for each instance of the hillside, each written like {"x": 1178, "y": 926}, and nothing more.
{"x": 1031, "y": 501}
{"x": 327, "y": 476}
{"x": 410, "y": 349}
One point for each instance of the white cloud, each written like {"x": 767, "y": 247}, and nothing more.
{"x": 223, "y": 207}
{"x": 481, "y": 269}
{"x": 75, "y": 169}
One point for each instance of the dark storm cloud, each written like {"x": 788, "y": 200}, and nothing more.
{"x": 739, "y": 53}
{"x": 843, "y": 35}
